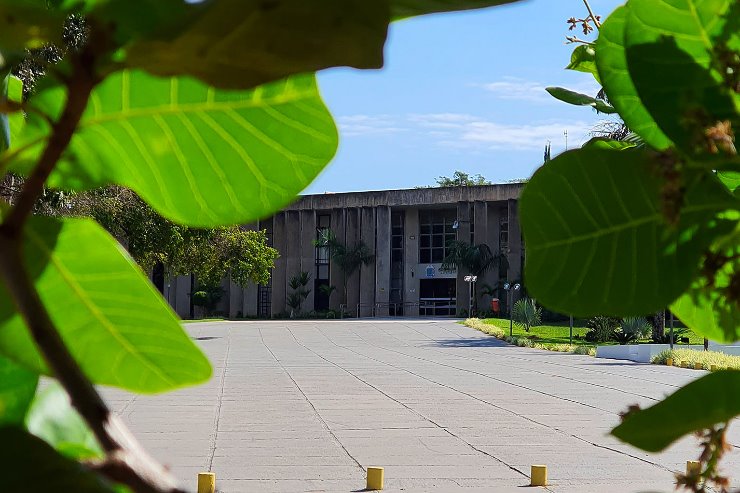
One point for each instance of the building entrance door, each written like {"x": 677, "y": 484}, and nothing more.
{"x": 437, "y": 297}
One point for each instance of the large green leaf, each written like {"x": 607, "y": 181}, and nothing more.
{"x": 27, "y": 24}
{"x": 17, "y": 386}
{"x": 703, "y": 403}
{"x": 706, "y": 307}
{"x": 114, "y": 321}
{"x": 671, "y": 48}
{"x": 53, "y": 419}
{"x": 198, "y": 155}
{"x": 244, "y": 43}
{"x": 578, "y": 99}
{"x": 31, "y": 466}
{"x": 583, "y": 59}
{"x": 611, "y": 61}
{"x": 4, "y": 123}
{"x": 597, "y": 241}
{"x": 407, "y": 8}
{"x": 731, "y": 179}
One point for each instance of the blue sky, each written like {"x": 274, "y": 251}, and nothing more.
{"x": 459, "y": 91}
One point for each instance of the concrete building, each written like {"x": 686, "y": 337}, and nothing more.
{"x": 407, "y": 230}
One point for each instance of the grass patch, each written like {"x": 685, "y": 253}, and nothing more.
{"x": 196, "y": 320}
{"x": 490, "y": 327}
{"x": 545, "y": 334}
{"x": 706, "y": 358}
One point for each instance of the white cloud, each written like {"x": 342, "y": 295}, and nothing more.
{"x": 360, "y": 125}
{"x": 514, "y": 88}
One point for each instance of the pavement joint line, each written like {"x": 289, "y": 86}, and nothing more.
{"x": 318, "y": 414}
{"x": 445, "y": 429}
{"x": 536, "y": 371}
{"x": 556, "y": 430}
{"x": 482, "y": 375}
{"x": 222, "y": 386}
{"x": 528, "y": 360}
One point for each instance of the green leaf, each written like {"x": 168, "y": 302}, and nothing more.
{"x": 31, "y": 465}
{"x": 27, "y": 24}
{"x": 583, "y": 59}
{"x": 241, "y": 44}
{"x": 4, "y": 123}
{"x": 703, "y": 403}
{"x": 611, "y": 61}
{"x": 197, "y": 155}
{"x": 671, "y": 51}
{"x": 731, "y": 179}
{"x": 17, "y": 386}
{"x": 706, "y": 307}
{"x": 53, "y": 419}
{"x": 603, "y": 143}
{"x": 578, "y": 99}
{"x": 115, "y": 323}
{"x": 597, "y": 241}
{"x": 407, "y": 8}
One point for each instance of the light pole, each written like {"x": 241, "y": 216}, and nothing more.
{"x": 510, "y": 288}
{"x": 471, "y": 289}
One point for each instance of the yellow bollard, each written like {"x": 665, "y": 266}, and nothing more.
{"x": 693, "y": 468}
{"x": 698, "y": 366}
{"x": 684, "y": 364}
{"x": 206, "y": 482}
{"x": 539, "y": 475}
{"x": 669, "y": 361}
{"x": 374, "y": 478}
{"x": 713, "y": 368}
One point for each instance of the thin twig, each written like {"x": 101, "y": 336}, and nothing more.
{"x": 574, "y": 39}
{"x": 591, "y": 14}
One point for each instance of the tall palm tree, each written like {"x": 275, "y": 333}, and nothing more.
{"x": 475, "y": 259}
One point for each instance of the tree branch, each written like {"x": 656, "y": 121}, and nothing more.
{"x": 591, "y": 14}
{"x": 126, "y": 461}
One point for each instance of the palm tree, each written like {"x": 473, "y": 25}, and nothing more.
{"x": 475, "y": 259}
{"x": 348, "y": 259}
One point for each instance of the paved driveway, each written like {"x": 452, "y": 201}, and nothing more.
{"x": 306, "y": 405}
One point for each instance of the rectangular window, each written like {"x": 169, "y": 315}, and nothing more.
{"x": 322, "y": 253}
{"x": 435, "y": 233}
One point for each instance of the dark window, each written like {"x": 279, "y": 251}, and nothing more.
{"x": 322, "y": 253}
{"x": 435, "y": 233}
{"x": 397, "y": 241}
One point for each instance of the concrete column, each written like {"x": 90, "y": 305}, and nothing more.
{"x": 463, "y": 234}
{"x": 292, "y": 250}
{"x": 236, "y": 300}
{"x": 308, "y": 253}
{"x": 352, "y": 236}
{"x": 482, "y": 237}
{"x": 336, "y": 276}
{"x": 367, "y": 272}
{"x": 411, "y": 261}
{"x": 180, "y": 295}
{"x": 277, "y": 305}
{"x": 383, "y": 257}
{"x": 494, "y": 231}
{"x": 515, "y": 245}
{"x": 249, "y": 292}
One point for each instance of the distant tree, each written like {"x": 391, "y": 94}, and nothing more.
{"x": 462, "y": 179}
{"x": 298, "y": 284}
{"x": 475, "y": 259}
{"x": 347, "y": 258}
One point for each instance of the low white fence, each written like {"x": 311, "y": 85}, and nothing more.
{"x": 643, "y": 353}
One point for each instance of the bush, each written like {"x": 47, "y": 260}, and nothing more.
{"x": 707, "y": 358}
{"x": 632, "y": 329}
{"x": 527, "y": 313}
{"x": 601, "y": 329}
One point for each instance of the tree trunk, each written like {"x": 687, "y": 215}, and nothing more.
{"x": 657, "y": 321}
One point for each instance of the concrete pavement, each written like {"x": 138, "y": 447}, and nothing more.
{"x": 307, "y": 405}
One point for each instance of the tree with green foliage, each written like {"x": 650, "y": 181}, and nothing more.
{"x": 461, "y": 179}
{"x": 474, "y": 259}
{"x": 300, "y": 292}
{"x": 230, "y": 99}
{"x": 675, "y": 242}
{"x": 347, "y": 258}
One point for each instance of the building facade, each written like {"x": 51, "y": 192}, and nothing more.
{"x": 407, "y": 230}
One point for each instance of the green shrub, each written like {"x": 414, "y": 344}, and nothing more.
{"x": 707, "y": 358}
{"x": 602, "y": 329}
{"x": 527, "y": 313}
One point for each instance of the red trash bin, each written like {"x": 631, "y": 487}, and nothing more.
{"x": 495, "y": 306}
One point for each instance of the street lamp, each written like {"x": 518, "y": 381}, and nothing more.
{"x": 471, "y": 289}
{"x": 510, "y": 288}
